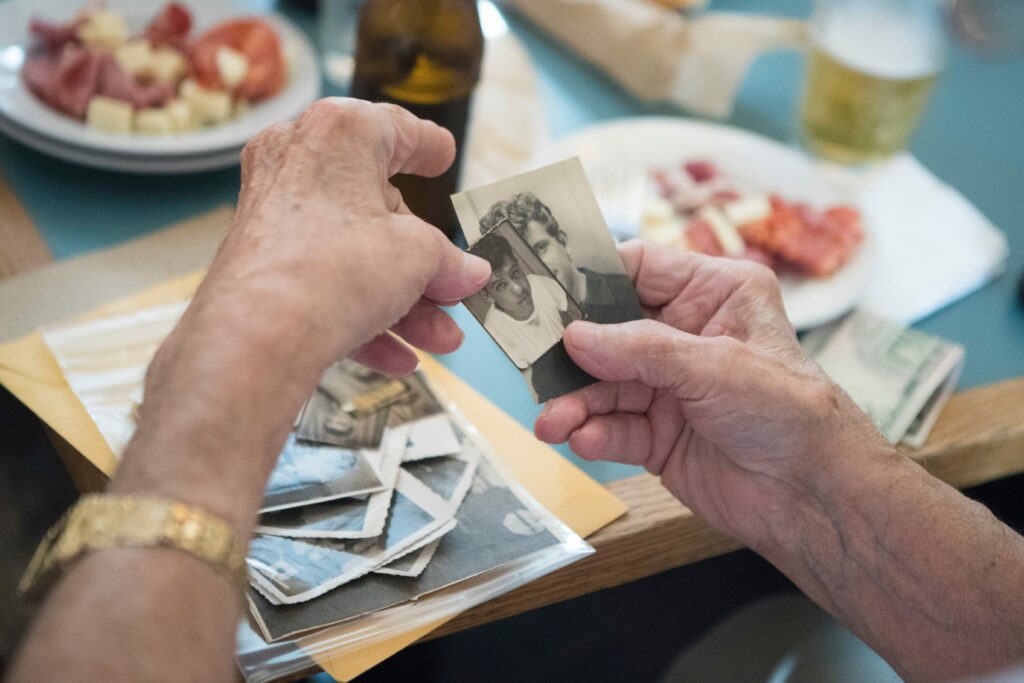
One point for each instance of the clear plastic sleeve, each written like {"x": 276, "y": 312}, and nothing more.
{"x": 260, "y": 661}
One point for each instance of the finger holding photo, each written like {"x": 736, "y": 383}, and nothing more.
{"x": 538, "y": 230}
{"x": 525, "y": 310}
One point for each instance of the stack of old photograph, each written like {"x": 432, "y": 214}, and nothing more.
{"x": 381, "y": 495}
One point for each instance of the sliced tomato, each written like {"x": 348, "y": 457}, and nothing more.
{"x": 257, "y": 41}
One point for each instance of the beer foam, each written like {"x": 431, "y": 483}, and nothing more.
{"x": 881, "y": 41}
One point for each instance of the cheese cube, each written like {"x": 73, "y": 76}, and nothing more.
{"x": 727, "y": 234}
{"x": 747, "y": 210}
{"x": 665, "y": 233}
{"x": 155, "y": 121}
{"x": 209, "y": 107}
{"x": 167, "y": 64}
{"x": 103, "y": 29}
{"x": 187, "y": 89}
{"x": 232, "y": 66}
{"x": 180, "y": 112}
{"x": 241, "y": 108}
{"x": 134, "y": 56}
{"x": 657, "y": 211}
{"x": 106, "y": 113}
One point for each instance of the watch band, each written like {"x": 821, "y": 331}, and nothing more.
{"x": 102, "y": 521}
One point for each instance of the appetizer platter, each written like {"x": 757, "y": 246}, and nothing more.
{"x": 726, "y": 192}
{"x": 698, "y": 208}
{"x": 149, "y": 86}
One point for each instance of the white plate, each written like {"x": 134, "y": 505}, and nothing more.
{"x": 22, "y": 108}
{"x": 129, "y": 163}
{"x": 755, "y": 163}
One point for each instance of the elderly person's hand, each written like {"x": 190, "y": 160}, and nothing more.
{"x": 712, "y": 393}
{"x": 323, "y": 261}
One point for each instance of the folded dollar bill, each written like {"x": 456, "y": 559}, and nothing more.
{"x": 901, "y": 377}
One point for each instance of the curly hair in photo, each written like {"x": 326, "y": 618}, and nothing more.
{"x": 519, "y": 210}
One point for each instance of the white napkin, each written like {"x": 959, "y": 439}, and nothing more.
{"x": 932, "y": 246}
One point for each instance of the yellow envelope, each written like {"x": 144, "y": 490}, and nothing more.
{"x": 29, "y": 372}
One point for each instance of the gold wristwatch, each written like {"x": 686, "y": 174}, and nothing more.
{"x": 101, "y": 521}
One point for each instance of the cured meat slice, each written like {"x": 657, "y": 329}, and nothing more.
{"x": 116, "y": 83}
{"x": 53, "y": 35}
{"x": 812, "y": 243}
{"x": 73, "y": 80}
{"x": 38, "y": 72}
{"x": 170, "y": 27}
{"x": 701, "y": 170}
{"x": 700, "y": 237}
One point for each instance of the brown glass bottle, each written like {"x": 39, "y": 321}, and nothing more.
{"x": 425, "y": 56}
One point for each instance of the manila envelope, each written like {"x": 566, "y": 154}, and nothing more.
{"x": 29, "y": 372}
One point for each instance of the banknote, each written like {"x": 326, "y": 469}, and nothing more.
{"x": 922, "y": 425}
{"x": 899, "y": 376}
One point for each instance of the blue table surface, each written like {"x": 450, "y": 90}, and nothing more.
{"x": 972, "y": 137}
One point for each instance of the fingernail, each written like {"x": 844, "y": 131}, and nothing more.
{"x": 585, "y": 336}
{"x": 546, "y": 410}
{"x": 477, "y": 269}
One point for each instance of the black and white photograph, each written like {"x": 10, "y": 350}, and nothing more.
{"x": 431, "y": 437}
{"x": 448, "y": 477}
{"x": 554, "y": 212}
{"x": 412, "y": 563}
{"x": 349, "y": 517}
{"x": 310, "y": 473}
{"x": 293, "y": 570}
{"x": 525, "y": 311}
{"x": 333, "y": 415}
{"x": 494, "y": 527}
{"x": 416, "y": 403}
{"x": 357, "y": 517}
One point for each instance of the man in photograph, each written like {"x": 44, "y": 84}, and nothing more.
{"x": 528, "y": 311}
{"x": 604, "y": 297}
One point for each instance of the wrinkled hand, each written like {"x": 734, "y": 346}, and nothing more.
{"x": 321, "y": 230}
{"x": 323, "y": 261}
{"x": 712, "y": 393}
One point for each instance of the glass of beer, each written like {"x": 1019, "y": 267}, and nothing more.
{"x": 870, "y": 74}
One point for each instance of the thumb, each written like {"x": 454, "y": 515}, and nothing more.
{"x": 648, "y": 351}
{"x": 458, "y": 273}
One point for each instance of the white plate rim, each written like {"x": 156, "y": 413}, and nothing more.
{"x": 118, "y": 162}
